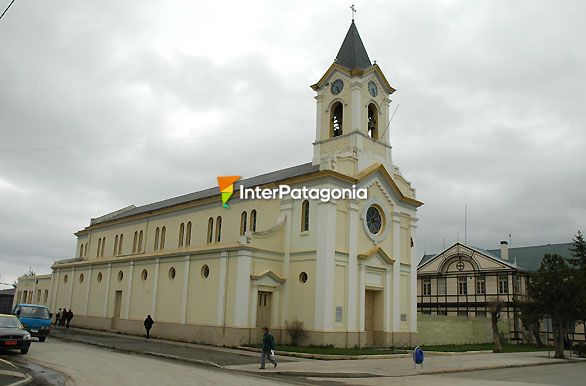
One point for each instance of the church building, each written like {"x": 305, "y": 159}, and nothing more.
{"x": 346, "y": 268}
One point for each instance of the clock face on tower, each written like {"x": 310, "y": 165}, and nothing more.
{"x": 372, "y": 88}
{"x": 337, "y": 86}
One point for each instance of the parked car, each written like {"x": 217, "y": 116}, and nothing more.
{"x": 35, "y": 319}
{"x": 13, "y": 336}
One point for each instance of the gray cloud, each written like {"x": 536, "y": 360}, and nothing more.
{"x": 128, "y": 103}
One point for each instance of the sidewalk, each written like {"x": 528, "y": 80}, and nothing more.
{"x": 241, "y": 360}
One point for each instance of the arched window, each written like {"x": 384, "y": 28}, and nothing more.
{"x": 372, "y": 121}
{"x": 181, "y": 234}
{"x": 135, "y": 242}
{"x": 120, "y": 244}
{"x": 336, "y": 119}
{"x": 305, "y": 216}
{"x": 157, "y": 232}
{"x": 253, "y": 220}
{"x": 163, "y": 231}
{"x": 211, "y": 230}
{"x": 140, "y": 242}
{"x": 188, "y": 235}
{"x": 103, "y": 246}
{"x": 218, "y": 229}
{"x": 81, "y": 250}
{"x": 99, "y": 247}
{"x": 115, "y": 246}
{"x": 243, "y": 223}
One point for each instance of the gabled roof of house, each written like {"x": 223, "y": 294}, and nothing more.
{"x": 528, "y": 258}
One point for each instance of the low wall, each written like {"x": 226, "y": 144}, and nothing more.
{"x": 439, "y": 329}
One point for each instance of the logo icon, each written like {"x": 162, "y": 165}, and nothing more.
{"x": 226, "y": 185}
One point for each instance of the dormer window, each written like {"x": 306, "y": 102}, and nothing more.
{"x": 336, "y": 119}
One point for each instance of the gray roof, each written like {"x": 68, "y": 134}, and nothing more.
{"x": 352, "y": 54}
{"x": 9, "y": 291}
{"x": 267, "y": 178}
{"x": 528, "y": 258}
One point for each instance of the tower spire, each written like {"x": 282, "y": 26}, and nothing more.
{"x": 352, "y": 54}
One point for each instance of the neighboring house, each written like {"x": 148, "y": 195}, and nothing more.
{"x": 462, "y": 280}
{"x": 345, "y": 267}
{"x": 6, "y": 300}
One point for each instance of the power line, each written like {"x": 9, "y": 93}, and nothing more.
{"x": 6, "y": 10}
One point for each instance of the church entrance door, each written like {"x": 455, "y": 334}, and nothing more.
{"x": 117, "y": 308}
{"x": 369, "y": 316}
{"x": 263, "y": 309}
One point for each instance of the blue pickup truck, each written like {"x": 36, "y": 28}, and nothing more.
{"x": 35, "y": 319}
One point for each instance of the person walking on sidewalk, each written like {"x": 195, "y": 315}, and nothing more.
{"x": 63, "y": 317}
{"x": 58, "y": 317}
{"x": 268, "y": 348}
{"x": 148, "y": 324}
{"x": 69, "y": 317}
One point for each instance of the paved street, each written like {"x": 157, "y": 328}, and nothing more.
{"x": 92, "y": 366}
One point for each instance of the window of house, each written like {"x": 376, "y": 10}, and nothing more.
{"x": 99, "y": 247}
{"x": 253, "y": 220}
{"x": 115, "y": 246}
{"x": 218, "y": 229}
{"x": 205, "y": 271}
{"x": 462, "y": 313}
{"x": 243, "y": 223}
{"x": 162, "y": 243}
{"x": 372, "y": 121}
{"x": 157, "y": 233}
{"x": 140, "y": 241}
{"x": 305, "y": 216}
{"x": 441, "y": 286}
{"x": 517, "y": 284}
{"x": 336, "y": 119}
{"x": 211, "y": 230}
{"x": 188, "y": 235}
{"x": 503, "y": 284}
{"x": 181, "y": 235}
{"x": 481, "y": 314}
{"x": 442, "y": 311}
{"x": 81, "y": 250}
{"x": 462, "y": 285}
{"x": 480, "y": 285}
{"x": 46, "y": 297}
{"x": 426, "y": 286}
{"x": 120, "y": 244}
{"x": 172, "y": 273}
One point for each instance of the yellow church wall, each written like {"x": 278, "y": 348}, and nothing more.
{"x": 97, "y": 291}
{"x": 340, "y": 296}
{"x": 117, "y": 285}
{"x": 302, "y": 295}
{"x": 78, "y": 298}
{"x": 405, "y": 300}
{"x": 170, "y": 291}
{"x": 141, "y": 297}
{"x": 231, "y": 289}
{"x": 300, "y": 240}
{"x": 342, "y": 227}
{"x": 203, "y": 292}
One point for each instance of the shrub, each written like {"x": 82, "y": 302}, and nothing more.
{"x": 580, "y": 349}
{"x": 296, "y": 330}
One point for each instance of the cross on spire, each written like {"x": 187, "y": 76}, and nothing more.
{"x": 353, "y": 11}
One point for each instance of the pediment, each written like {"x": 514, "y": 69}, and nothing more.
{"x": 376, "y": 256}
{"x": 267, "y": 277}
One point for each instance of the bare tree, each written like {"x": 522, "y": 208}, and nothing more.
{"x": 494, "y": 306}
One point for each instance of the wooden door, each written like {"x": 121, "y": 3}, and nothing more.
{"x": 369, "y": 316}
{"x": 263, "y": 309}
{"x": 117, "y": 309}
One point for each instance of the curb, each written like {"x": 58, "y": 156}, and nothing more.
{"x": 146, "y": 353}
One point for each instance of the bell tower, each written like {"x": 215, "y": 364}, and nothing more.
{"x": 352, "y": 120}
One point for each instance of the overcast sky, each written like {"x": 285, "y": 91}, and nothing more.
{"x": 109, "y": 103}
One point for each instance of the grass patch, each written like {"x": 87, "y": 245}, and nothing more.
{"x": 329, "y": 350}
{"x": 507, "y": 347}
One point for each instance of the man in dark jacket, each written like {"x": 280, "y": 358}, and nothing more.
{"x": 69, "y": 317}
{"x": 63, "y": 317}
{"x": 58, "y": 317}
{"x": 148, "y": 324}
{"x": 268, "y": 348}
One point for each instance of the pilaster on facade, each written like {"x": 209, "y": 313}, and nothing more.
{"x": 362, "y": 296}
{"x": 87, "y": 291}
{"x": 222, "y": 284}
{"x": 413, "y": 282}
{"x": 129, "y": 290}
{"x": 352, "y": 305}
{"x": 185, "y": 291}
{"x": 107, "y": 294}
{"x": 287, "y": 209}
{"x": 70, "y": 298}
{"x": 388, "y": 301}
{"x": 356, "y": 103}
{"x": 242, "y": 295}
{"x": 397, "y": 271}
{"x": 155, "y": 288}
{"x": 325, "y": 266}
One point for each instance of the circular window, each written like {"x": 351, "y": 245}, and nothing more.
{"x": 81, "y": 277}
{"x": 65, "y": 279}
{"x": 205, "y": 271}
{"x": 374, "y": 220}
{"x": 144, "y": 274}
{"x": 120, "y": 276}
{"x": 99, "y": 277}
{"x": 172, "y": 273}
{"x": 303, "y": 277}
